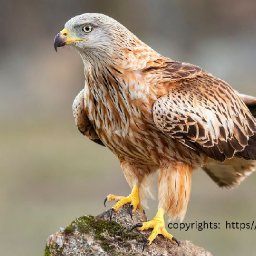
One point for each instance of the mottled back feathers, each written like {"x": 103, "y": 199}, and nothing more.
{"x": 205, "y": 114}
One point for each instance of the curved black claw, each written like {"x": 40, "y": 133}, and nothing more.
{"x": 111, "y": 214}
{"x": 130, "y": 208}
{"x": 138, "y": 225}
{"x": 145, "y": 243}
{"x": 176, "y": 241}
{"x": 105, "y": 200}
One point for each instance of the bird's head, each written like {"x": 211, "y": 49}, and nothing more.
{"x": 94, "y": 35}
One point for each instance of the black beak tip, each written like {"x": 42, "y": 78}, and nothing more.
{"x": 58, "y": 42}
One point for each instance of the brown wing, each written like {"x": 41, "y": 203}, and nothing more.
{"x": 205, "y": 114}
{"x": 82, "y": 122}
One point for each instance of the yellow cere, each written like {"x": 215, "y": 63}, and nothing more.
{"x": 68, "y": 39}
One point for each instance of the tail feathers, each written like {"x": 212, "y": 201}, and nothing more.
{"x": 250, "y": 102}
{"x": 231, "y": 172}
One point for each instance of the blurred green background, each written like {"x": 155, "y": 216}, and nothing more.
{"x": 50, "y": 173}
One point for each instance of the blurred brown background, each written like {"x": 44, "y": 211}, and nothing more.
{"x": 50, "y": 174}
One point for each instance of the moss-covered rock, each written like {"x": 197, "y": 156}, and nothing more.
{"x": 89, "y": 235}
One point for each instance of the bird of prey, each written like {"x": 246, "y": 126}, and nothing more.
{"x": 158, "y": 115}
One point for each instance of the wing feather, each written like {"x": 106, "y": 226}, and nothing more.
{"x": 204, "y": 113}
{"x": 82, "y": 121}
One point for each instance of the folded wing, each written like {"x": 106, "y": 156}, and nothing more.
{"x": 205, "y": 114}
{"x": 82, "y": 121}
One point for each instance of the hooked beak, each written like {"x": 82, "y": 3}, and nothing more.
{"x": 63, "y": 38}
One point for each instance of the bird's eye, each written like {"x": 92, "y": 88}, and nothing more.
{"x": 87, "y": 28}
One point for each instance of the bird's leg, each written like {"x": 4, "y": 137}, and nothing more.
{"x": 133, "y": 199}
{"x": 158, "y": 226}
{"x": 174, "y": 184}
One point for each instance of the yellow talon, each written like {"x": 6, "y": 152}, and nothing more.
{"x": 133, "y": 199}
{"x": 158, "y": 226}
